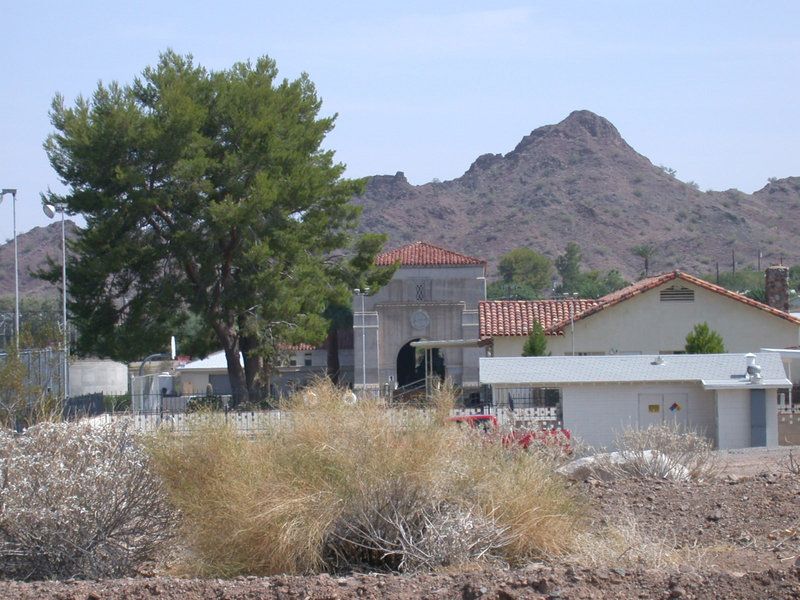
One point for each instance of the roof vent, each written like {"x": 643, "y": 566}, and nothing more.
{"x": 753, "y": 370}
{"x": 659, "y": 360}
{"x": 677, "y": 293}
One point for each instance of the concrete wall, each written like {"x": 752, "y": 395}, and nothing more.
{"x": 193, "y": 383}
{"x": 396, "y": 315}
{"x": 646, "y": 325}
{"x": 773, "y": 438}
{"x": 93, "y": 376}
{"x": 733, "y": 417}
{"x": 597, "y": 413}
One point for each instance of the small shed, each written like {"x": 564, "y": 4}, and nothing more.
{"x": 197, "y": 375}
{"x": 733, "y": 398}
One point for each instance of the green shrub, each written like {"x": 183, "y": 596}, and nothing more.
{"x": 704, "y": 340}
{"x": 205, "y": 403}
{"x": 117, "y": 403}
{"x": 336, "y": 487}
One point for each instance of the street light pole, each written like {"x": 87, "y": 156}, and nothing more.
{"x": 572, "y": 320}
{"x": 13, "y": 193}
{"x": 358, "y": 292}
{"x": 50, "y": 211}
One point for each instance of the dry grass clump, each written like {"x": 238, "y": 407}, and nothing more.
{"x": 78, "y": 501}
{"x": 791, "y": 464}
{"x": 665, "y": 451}
{"x": 623, "y": 544}
{"x": 337, "y": 487}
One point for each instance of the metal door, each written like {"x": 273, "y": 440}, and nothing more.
{"x": 655, "y": 409}
{"x": 651, "y": 410}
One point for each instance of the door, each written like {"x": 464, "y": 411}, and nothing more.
{"x": 651, "y": 410}
{"x": 655, "y": 409}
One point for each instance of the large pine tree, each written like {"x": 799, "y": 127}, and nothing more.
{"x": 211, "y": 209}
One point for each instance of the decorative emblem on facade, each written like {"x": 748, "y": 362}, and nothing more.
{"x": 420, "y": 319}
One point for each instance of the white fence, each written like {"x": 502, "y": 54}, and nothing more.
{"x": 246, "y": 422}
{"x": 519, "y": 418}
{"x": 262, "y": 421}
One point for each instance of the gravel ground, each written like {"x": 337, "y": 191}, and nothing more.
{"x": 739, "y": 534}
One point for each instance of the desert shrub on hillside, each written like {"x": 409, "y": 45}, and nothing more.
{"x": 623, "y": 543}
{"x": 78, "y": 501}
{"x": 665, "y": 451}
{"x": 338, "y": 487}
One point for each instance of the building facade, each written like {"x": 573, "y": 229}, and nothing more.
{"x": 652, "y": 316}
{"x": 424, "y": 320}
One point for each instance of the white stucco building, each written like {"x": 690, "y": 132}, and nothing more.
{"x": 652, "y": 316}
{"x": 600, "y": 396}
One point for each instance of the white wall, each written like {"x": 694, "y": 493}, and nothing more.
{"x": 733, "y": 414}
{"x": 93, "y": 376}
{"x": 597, "y": 413}
{"x": 733, "y": 418}
{"x": 772, "y": 418}
{"x": 193, "y": 383}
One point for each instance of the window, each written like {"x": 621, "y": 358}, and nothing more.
{"x": 532, "y": 398}
{"x": 420, "y": 290}
{"x": 307, "y": 359}
{"x": 676, "y": 293}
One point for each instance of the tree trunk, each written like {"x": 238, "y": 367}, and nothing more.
{"x": 253, "y": 370}
{"x": 236, "y": 374}
{"x": 237, "y": 377}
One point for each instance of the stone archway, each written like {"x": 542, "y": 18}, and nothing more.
{"x": 411, "y": 364}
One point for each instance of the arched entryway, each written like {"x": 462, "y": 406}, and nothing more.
{"x": 411, "y": 364}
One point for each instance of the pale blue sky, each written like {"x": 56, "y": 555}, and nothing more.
{"x": 707, "y": 88}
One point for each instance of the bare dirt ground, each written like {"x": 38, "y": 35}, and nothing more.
{"x": 740, "y": 534}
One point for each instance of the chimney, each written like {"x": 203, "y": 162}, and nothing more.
{"x": 776, "y": 287}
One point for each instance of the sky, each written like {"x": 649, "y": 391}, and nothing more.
{"x": 709, "y": 89}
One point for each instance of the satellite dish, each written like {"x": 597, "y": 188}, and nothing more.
{"x": 49, "y": 210}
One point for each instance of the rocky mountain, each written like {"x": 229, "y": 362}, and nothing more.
{"x": 33, "y": 248}
{"x": 580, "y": 181}
{"x": 577, "y": 181}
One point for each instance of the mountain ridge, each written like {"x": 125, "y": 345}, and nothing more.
{"x": 576, "y": 180}
{"x": 579, "y": 180}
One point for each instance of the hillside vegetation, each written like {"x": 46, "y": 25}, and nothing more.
{"x": 576, "y": 181}
{"x": 580, "y": 181}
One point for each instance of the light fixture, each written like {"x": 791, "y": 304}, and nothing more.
{"x": 13, "y": 193}
{"x": 50, "y": 211}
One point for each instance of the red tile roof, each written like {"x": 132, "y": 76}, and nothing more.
{"x": 513, "y": 318}
{"x": 652, "y": 282}
{"x": 345, "y": 343}
{"x": 298, "y": 347}
{"x": 422, "y": 254}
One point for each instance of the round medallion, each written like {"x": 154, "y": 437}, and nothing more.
{"x": 420, "y": 319}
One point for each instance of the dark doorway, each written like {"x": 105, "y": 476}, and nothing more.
{"x": 411, "y": 364}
